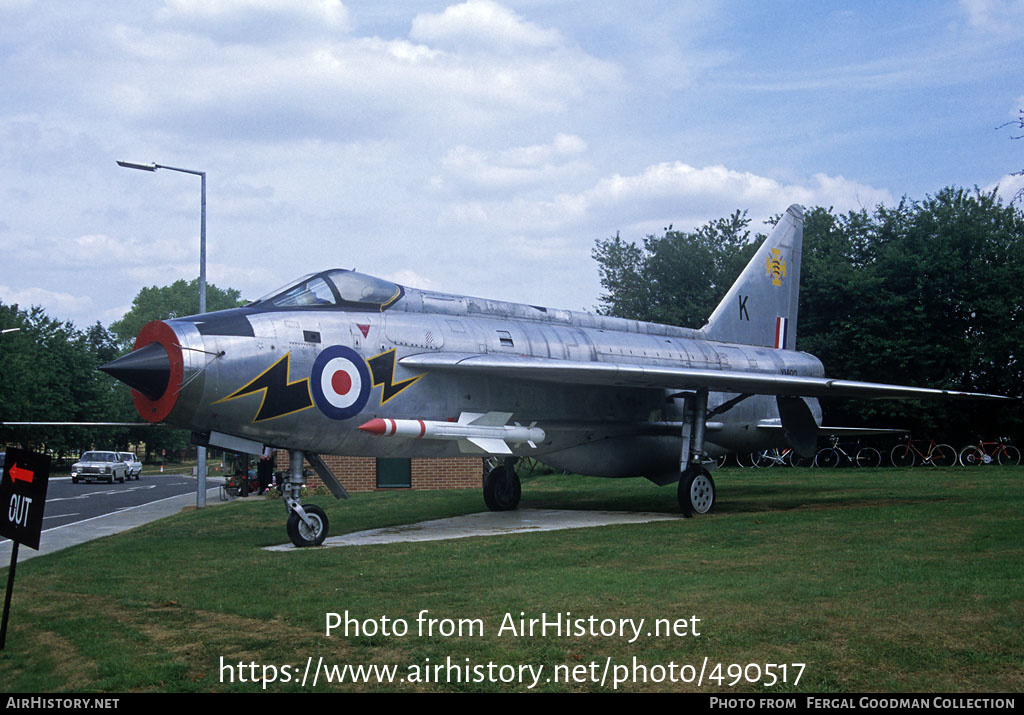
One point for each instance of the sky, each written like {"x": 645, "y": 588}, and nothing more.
{"x": 477, "y": 147}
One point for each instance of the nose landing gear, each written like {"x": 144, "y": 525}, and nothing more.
{"x": 307, "y": 526}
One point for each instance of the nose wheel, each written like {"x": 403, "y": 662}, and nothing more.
{"x": 310, "y": 532}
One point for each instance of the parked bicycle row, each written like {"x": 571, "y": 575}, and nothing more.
{"x": 905, "y": 454}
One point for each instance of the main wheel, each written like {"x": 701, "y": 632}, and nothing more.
{"x": 696, "y": 492}
{"x": 868, "y": 457}
{"x": 502, "y": 489}
{"x": 302, "y": 534}
{"x": 1009, "y": 455}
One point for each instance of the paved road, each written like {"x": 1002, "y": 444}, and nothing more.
{"x": 79, "y": 512}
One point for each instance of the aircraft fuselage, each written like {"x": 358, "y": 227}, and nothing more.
{"x": 268, "y": 375}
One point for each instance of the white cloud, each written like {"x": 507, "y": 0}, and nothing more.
{"x": 249, "y": 21}
{"x": 669, "y": 192}
{"x": 56, "y": 303}
{"x": 334, "y": 87}
{"x": 514, "y": 167}
{"x": 410, "y": 278}
{"x": 332, "y": 12}
{"x": 674, "y": 188}
{"x": 1010, "y": 186}
{"x": 483, "y": 25}
{"x": 994, "y": 15}
{"x": 15, "y": 5}
{"x": 101, "y": 254}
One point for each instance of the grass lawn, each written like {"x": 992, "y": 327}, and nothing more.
{"x": 876, "y": 580}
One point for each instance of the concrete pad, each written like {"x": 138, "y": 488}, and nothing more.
{"x": 489, "y": 523}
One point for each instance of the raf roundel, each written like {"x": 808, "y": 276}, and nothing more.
{"x": 340, "y": 382}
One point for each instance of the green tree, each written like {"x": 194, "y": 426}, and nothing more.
{"x": 677, "y": 278}
{"x": 50, "y": 375}
{"x": 174, "y": 301}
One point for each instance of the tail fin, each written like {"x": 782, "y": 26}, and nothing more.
{"x": 761, "y": 306}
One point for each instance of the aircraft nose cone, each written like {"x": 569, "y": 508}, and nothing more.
{"x": 147, "y": 370}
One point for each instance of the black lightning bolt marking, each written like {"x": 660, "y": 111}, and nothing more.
{"x": 280, "y": 397}
{"x": 383, "y": 368}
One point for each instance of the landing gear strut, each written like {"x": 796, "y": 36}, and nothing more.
{"x": 502, "y": 489}
{"x": 306, "y": 526}
{"x": 696, "y": 492}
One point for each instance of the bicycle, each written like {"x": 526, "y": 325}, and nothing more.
{"x": 987, "y": 452}
{"x": 833, "y": 456}
{"x": 784, "y": 456}
{"x": 937, "y": 455}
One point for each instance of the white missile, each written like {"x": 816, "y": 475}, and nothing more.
{"x": 476, "y": 433}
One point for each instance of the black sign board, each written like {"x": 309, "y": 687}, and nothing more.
{"x": 23, "y": 496}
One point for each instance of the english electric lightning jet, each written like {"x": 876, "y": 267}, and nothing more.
{"x": 343, "y": 363}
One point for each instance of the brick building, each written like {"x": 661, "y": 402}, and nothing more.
{"x": 361, "y": 474}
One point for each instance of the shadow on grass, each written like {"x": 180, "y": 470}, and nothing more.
{"x": 788, "y": 491}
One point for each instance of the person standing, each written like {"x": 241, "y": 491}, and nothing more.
{"x": 265, "y": 468}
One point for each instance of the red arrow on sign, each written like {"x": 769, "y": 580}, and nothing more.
{"x": 21, "y": 475}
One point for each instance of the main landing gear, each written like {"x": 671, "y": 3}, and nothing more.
{"x": 502, "y": 488}
{"x": 696, "y": 491}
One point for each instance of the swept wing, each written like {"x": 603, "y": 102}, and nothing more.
{"x": 609, "y": 374}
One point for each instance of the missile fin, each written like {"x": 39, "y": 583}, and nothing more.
{"x": 478, "y": 445}
{"x": 491, "y": 419}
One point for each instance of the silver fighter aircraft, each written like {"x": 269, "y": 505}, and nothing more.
{"x": 343, "y": 363}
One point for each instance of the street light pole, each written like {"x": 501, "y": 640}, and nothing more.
{"x": 200, "y": 451}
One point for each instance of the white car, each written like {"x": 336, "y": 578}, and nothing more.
{"x": 99, "y": 465}
{"x": 134, "y": 465}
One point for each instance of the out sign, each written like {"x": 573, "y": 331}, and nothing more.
{"x": 23, "y": 490}
{"x": 17, "y": 514}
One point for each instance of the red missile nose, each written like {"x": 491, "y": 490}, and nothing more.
{"x": 374, "y": 426}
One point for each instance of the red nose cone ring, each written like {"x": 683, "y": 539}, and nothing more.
{"x": 157, "y": 410}
{"x": 374, "y": 426}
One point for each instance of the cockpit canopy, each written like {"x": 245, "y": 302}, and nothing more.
{"x": 335, "y": 289}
